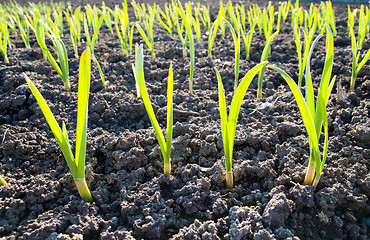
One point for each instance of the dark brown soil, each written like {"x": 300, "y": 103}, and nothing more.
{"x": 132, "y": 196}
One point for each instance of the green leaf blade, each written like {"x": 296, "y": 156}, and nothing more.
{"x": 82, "y": 111}
{"x": 224, "y": 125}
{"x": 169, "y": 113}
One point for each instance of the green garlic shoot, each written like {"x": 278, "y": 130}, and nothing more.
{"x": 140, "y": 81}
{"x": 228, "y": 123}
{"x": 314, "y": 116}
{"x": 75, "y": 163}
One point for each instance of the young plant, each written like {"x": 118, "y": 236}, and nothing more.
{"x": 264, "y": 57}
{"x": 167, "y": 23}
{"x": 363, "y": 20}
{"x": 4, "y": 36}
{"x": 314, "y": 116}
{"x": 235, "y": 18}
{"x": 139, "y": 10}
{"x": 186, "y": 18}
{"x": 79, "y": 16}
{"x": 183, "y": 39}
{"x": 352, "y": 15}
{"x": 356, "y": 67}
{"x": 278, "y": 22}
{"x": 228, "y": 123}
{"x": 24, "y": 29}
{"x": 297, "y": 17}
{"x": 268, "y": 21}
{"x": 107, "y": 19}
{"x": 122, "y": 24}
{"x": 32, "y": 18}
{"x": 75, "y": 163}
{"x": 92, "y": 16}
{"x": 174, "y": 14}
{"x": 284, "y": 9}
{"x": 302, "y": 60}
{"x": 63, "y": 69}
{"x": 2, "y": 181}
{"x": 310, "y": 18}
{"x": 58, "y": 15}
{"x": 254, "y": 15}
{"x": 328, "y": 14}
{"x": 194, "y": 21}
{"x": 11, "y": 21}
{"x": 74, "y": 29}
{"x": 196, "y": 25}
{"x": 247, "y": 39}
{"x": 212, "y": 33}
{"x": 91, "y": 43}
{"x": 222, "y": 23}
{"x": 205, "y": 17}
{"x": 241, "y": 16}
{"x": 54, "y": 25}
{"x": 148, "y": 34}
{"x": 140, "y": 81}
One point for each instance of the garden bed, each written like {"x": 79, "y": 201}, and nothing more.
{"x": 124, "y": 165}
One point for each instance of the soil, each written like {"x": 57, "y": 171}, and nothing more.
{"x": 133, "y": 199}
